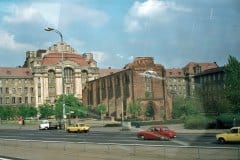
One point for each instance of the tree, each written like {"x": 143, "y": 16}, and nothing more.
{"x": 149, "y": 111}
{"x": 46, "y": 110}
{"x": 26, "y": 111}
{"x": 7, "y": 112}
{"x": 101, "y": 109}
{"x": 185, "y": 106}
{"x": 72, "y": 105}
{"x": 134, "y": 108}
{"x": 232, "y": 83}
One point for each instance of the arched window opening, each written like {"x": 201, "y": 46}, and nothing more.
{"x": 68, "y": 75}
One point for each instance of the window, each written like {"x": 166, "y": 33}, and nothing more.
{"x": 235, "y": 130}
{"x": 126, "y": 82}
{"x": 7, "y": 90}
{"x": 13, "y": 90}
{"x": 19, "y": 99}
{"x": 31, "y": 89}
{"x": 7, "y": 100}
{"x": 117, "y": 86}
{"x": 148, "y": 87}
{"x": 25, "y": 90}
{"x": 19, "y": 90}
{"x": 68, "y": 75}
{"x": 103, "y": 89}
{"x": 110, "y": 88}
{"x": 51, "y": 77}
{"x": 51, "y": 83}
{"x": 13, "y": 100}
{"x": 32, "y": 99}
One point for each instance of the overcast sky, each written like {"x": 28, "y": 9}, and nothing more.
{"x": 174, "y": 32}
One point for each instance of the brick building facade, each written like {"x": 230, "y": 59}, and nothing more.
{"x": 117, "y": 89}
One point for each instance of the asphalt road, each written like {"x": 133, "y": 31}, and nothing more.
{"x": 123, "y": 137}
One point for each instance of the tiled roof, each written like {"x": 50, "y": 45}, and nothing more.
{"x": 212, "y": 70}
{"x": 204, "y": 66}
{"x": 15, "y": 72}
{"x": 174, "y": 72}
{"x": 108, "y": 71}
{"x": 54, "y": 58}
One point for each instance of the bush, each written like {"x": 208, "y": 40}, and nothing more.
{"x": 113, "y": 125}
{"x": 225, "y": 120}
{"x": 198, "y": 122}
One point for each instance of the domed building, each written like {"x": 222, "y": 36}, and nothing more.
{"x": 40, "y": 80}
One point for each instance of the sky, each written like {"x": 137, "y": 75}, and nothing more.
{"x": 173, "y": 32}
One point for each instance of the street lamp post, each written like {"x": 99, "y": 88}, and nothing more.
{"x": 63, "y": 100}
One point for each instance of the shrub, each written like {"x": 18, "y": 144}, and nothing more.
{"x": 225, "y": 120}
{"x": 113, "y": 125}
{"x": 198, "y": 122}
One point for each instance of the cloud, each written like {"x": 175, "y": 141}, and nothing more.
{"x": 149, "y": 12}
{"x": 47, "y": 12}
{"x": 7, "y": 41}
{"x": 86, "y": 15}
{"x": 20, "y": 15}
{"x": 119, "y": 56}
{"x": 99, "y": 56}
{"x": 76, "y": 43}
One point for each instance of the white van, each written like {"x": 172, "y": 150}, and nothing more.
{"x": 46, "y": 124}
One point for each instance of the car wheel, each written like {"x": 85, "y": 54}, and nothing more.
{"x": 79, "y": 131}
{"x": 221, "y": 140}
{"x": 86, "y": 131}
{"x": 68, "y": 131}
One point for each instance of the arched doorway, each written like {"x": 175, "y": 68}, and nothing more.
{"x": 149, "y": 113}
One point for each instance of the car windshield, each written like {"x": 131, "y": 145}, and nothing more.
{"x": 235, "y": 130}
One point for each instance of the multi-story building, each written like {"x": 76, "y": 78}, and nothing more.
{"x": 176, "y": 82}
{"x": 210, "y": 87}
{"x": 192, "y": 69}
{"x": 46, "y": 74}
{"x": 132, "y": 83}
{"x": 181, "y": 81}
{"x": 16, "y": 86}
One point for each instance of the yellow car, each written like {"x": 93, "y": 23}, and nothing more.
{"x": 79, "y": 127}
{"x": 232, "y": 136}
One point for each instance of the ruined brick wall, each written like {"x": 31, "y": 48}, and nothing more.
{"x": 131, "y": 85}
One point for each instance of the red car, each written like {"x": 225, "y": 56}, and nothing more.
{"x": 157, "y": 133}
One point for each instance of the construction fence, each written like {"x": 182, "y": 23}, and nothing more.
{"x": 50, "y": 150}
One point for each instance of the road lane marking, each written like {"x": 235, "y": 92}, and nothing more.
{"x": 181, "y": 142}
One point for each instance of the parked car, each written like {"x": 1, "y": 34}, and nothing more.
{"x": 232, "y": 136}
{"x": 157, "y": 132}
{"x": 46, "y": 124}
{"x": 79, "y": 127}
